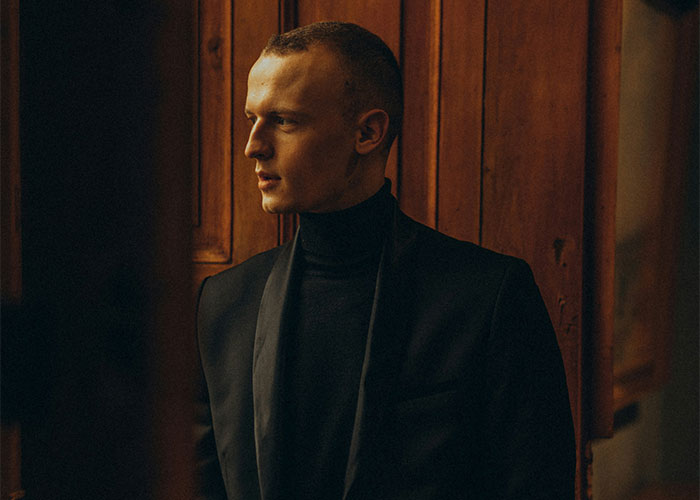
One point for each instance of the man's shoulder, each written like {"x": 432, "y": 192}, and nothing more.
{"x": 251, "y": 273}
{"x": 437, "y": 249}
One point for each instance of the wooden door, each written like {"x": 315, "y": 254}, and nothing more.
{"x": 508, "y": 141}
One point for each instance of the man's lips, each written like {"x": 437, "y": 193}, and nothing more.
{"x": 267, "y": 180}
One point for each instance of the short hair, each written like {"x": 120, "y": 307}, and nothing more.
{"x": 373, "y": 72}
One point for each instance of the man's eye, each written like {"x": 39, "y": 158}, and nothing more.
{"x": 252, "y": 119}
{"x": 282, "y": 121}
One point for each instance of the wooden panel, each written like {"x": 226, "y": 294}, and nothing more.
{"x": 11, "y": 465}
{"x": 232, "y": 225}
{"x": 419, "y": 137}
{"x": 461, "y": 105}
{"x": 196, "y": 177}
{"x": 212, "y": 237}
{"x": 253, "y": 229}
{"x": 599, "y": 219}
{"x": 9, "y": 143}
{"x": 534, "y": 156}
{"x": 169, "y": 319}
{"x": 382, "y": 17}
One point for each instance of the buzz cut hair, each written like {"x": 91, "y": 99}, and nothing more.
{"x": 373, "y": 77}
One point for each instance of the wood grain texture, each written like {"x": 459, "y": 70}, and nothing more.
{"x": 253, "y": 229}
{"x": 604, "y": 48}
{"x": 461, "y": 106}
{"x": 382, "y": 17}
{"x": 212, "y": 237}
{"x": 534, "y": 157}
{"x": 420, "y": 51}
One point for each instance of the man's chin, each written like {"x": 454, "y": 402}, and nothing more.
{"x": 275, "y": 207}
{"x": 272, "y": 210}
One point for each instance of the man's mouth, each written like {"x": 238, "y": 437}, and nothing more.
{"x": 267, "y": 181}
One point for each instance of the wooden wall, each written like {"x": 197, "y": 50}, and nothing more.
{"x": 497, "y": 146}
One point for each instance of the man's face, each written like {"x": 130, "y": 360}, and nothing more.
{"x": 303, "y": 144}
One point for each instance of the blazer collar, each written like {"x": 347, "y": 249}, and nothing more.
{"x": 380, "y": 366}
{"x": 268, "y": 365}
{"x": 383, "y": 353}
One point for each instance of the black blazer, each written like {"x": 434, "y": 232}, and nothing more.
{"x": 462, "y": 392}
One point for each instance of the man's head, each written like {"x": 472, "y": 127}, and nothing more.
{"x": 373, "y": 77}
{"x": 325, "y": 103}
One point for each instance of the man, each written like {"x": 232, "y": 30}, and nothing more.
{"x": 371, "y": 357}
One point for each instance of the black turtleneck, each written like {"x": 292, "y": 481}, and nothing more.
{"x": 340, "y": 256}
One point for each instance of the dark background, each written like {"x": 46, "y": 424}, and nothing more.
{"x": 105, "y": 106}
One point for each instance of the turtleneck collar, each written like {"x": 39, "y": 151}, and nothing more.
{"x": 350, "y": 235}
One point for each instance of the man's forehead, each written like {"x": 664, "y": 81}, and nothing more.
{"x": 315, "y": 68}
{"x": 316, "y": 54}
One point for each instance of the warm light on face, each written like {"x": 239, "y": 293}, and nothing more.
{"x": 302, "y": 143}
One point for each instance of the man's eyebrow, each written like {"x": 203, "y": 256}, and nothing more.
{"x": 278, "y": 111}
{"x": 285, "y": 110}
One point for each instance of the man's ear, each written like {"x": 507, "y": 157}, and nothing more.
{"x": 372, "y": 129}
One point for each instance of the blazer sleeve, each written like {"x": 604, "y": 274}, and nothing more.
{"x": 528, "y": 440}
{"x": 209, "y": 483}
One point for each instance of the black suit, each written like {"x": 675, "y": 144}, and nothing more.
{"x": 462, "y": 392}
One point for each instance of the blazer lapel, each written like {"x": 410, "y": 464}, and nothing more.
{"x": 385, "y": 343}
{"x": 267, "y": 369}
{"x": 383, "y": 353}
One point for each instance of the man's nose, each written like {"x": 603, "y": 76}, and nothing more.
{"x": 258, "y": 146}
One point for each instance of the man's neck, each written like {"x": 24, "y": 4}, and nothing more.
{"x": 357, "y": 230}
